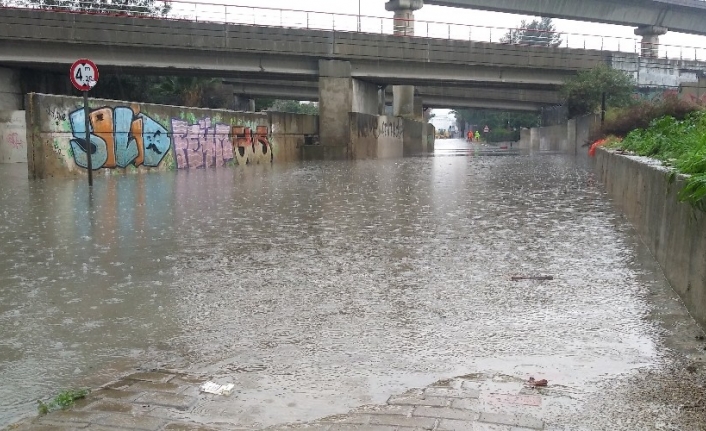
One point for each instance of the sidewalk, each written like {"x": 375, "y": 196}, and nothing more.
{"x": 650, "y": 399}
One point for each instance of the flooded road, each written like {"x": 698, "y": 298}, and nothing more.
{"x": 318, "y": 287}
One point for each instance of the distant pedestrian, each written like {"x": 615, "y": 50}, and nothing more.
{"x": 477, "y": 136}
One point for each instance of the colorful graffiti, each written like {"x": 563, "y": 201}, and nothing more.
{"x": 206, "y": 144}
{"x": 119, "y": 137}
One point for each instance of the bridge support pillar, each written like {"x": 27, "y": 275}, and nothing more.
{"x": 10, "y": 90}
{"x": 339, "y": 95}
{"x": 650, "y": 39}
{"x": 244, "y": 103}
{"x": 403, "y": 95}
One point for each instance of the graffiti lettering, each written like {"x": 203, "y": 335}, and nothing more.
{"x": 14, "y": 140}
{"x": 55, "y": 114}
{"x": 391, "y": 129}
{"x": 201, "y": 145}
{"x": 119, "y": 137}
{"x": 252, "y": 148}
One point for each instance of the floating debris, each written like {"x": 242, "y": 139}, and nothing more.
{"x": 216, "y": 389}
{"x": 540, "y": 277}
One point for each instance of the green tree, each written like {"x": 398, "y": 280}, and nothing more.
{"x": 128, "y": 7}
{"x": 541, "y": 32}
{"x": 584, "y": 92}
{"x": 295, "y": 107}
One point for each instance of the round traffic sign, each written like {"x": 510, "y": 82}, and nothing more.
{"x": 84, "y": 74}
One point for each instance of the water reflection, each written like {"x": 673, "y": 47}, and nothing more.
{"x": 316, "y": 287}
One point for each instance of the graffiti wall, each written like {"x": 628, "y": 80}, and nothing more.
{"x": 13, "y": 136}
{"x": 131, "y": 137}
{"x": 374, "y": 136}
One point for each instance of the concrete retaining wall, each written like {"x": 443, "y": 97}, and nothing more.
{"x": 132, "y": 137}
{"x": 674, "y": 232}
{"x": 568, "y": 138}
{"x": 375, "y": 137}
{"x": 13, "y": 137}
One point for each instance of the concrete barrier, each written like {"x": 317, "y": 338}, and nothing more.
{"x": 13, "y": 137}
{"x": 674, "y": 232}
{"x": 375, "y": 136}
{"x": 569, "y": 138}
{"x": 137, "y": 137}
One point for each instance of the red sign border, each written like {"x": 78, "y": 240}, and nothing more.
{"x": 73, "y": 79}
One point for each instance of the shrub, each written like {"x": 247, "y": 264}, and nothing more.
{"x": 621, "y": 121}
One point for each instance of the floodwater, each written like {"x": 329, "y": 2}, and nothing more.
{"x": 318, "y": 287}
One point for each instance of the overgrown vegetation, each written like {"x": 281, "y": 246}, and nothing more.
{"x": 584, "y": 92}
{"x": 62, "y": 401}
{"x": 675, "y": 135}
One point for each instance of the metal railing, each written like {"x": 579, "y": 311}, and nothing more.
{"x": 190, "y": 10}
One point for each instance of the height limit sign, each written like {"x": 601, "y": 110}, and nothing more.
{"x": 84, "y": 76}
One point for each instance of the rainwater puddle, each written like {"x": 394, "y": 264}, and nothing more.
{"x": 319, "y": 287}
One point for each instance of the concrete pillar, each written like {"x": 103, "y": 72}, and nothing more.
{"x": 339, "y": 95}
{"x": 403, "y": 95}
{"x": 418, "y": 109}
{"x": 650, "y": 39}
{"x": 10, "y": 90}
{"x": 244, "y": 103}
{"x": 382, "y": 99}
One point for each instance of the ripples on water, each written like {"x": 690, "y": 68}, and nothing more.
{"x": 318, "y": 286}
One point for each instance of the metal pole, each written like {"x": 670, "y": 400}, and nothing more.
{"x": 603, "y": 108}
{"x": 358, "y": 16}
{"x": 88, "y": 138}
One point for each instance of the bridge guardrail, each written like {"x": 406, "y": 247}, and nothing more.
{"x": 190, "y": 10}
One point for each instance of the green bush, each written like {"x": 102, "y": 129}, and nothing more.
{"x": 679, "y": 143}
{"x": 621, "y": 121}
{"x": 503, "y": 135}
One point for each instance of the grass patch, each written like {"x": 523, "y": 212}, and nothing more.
{"x": 678, "y": 143}
{"x": 63, "y": 401}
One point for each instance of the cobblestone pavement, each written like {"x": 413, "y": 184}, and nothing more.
{"x": 165, "y": 401}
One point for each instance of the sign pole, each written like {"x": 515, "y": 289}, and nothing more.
{"x": 87, "y": 120}
{"x": 84, "y": 76}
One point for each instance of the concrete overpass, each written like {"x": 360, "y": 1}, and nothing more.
{"x": 683, "y": 16}
{"x": 348, "y": 68}
{"x": 432, "y": 97}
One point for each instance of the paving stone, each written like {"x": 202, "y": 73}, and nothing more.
{"x": 397, "y": 420}
{"x": 108, "y": 393}
{"x": 49, "y": 424}
{"x": 516, "y": 420}
{"x": 467, "y": 404}
{"x": 452, "y": 393}
{"x": 154, "y": 377}
{"x": 172, "y": 388}
{"x": 445, "y": 413}
{"x": 414, "y": 400}
{"x": 344, "y": 427}
{"x": 144, "y": 423}
{"x": 455, "y": 425}
{"x": 187, "y": 427}
{"x": 179, "y": 402}
{"x": 114, "y": 406}
{"x": 73, "y": 417}
{"x": 53, "y": 427}
{"x": 385, "y": 410}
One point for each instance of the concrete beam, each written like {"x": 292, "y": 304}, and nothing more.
{"x": 304, "y": 90}
{"x": 684, "y": 16}
{"x": 48, "y": 39}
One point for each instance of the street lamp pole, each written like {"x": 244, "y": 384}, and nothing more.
{"x": 358, "y": 16}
